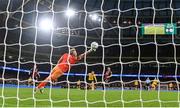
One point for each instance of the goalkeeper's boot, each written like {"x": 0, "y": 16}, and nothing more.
{"x": 41, "y": 90}
{"x": 35, "y": 90}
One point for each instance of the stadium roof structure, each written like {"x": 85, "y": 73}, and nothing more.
{"x": 114, "y": 26}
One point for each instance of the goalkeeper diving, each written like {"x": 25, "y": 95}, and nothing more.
{"x": 64, "y": 65}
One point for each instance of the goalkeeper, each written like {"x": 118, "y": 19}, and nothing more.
{"x": 63, "y": 65}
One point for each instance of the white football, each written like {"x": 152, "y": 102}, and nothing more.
{"x": 94, "y": 45}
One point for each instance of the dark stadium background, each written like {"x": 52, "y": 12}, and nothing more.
{"x": 50, "y": 45}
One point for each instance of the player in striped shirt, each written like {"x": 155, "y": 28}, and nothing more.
{"x": 107, "y": 76}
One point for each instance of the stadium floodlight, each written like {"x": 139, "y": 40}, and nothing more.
{"x": 94, "y": 17}
{"x": 10, "y": 57}
{"x": 124, "y": 22}
{"x": 99, "y": 19}
{"x": 46, "y": 24}
{"x": 70, "y": 12}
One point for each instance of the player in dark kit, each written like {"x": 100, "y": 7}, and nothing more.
{"x": 33, "y": 75}
{"x": 107, "y": 76}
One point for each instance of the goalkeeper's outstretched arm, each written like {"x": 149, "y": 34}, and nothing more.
{"x": 94, "y": 46}
{"x": 84, "y": 54}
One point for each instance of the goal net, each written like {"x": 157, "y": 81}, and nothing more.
{"x": 136, "y": 63}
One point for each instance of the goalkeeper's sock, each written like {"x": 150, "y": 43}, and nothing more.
{"x": 41, "y": 85}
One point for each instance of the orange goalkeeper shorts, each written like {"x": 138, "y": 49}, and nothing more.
{"x": 56, "y": 73}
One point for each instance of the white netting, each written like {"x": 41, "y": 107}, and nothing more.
{"x": 108, "y": 16}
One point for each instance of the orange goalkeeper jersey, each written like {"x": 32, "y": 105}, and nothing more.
{"x": 66, "y": 61}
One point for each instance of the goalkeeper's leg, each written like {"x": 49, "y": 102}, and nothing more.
{"x": 56, "y": 73}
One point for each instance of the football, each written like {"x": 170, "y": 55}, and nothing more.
{"x": 94, "y": 45}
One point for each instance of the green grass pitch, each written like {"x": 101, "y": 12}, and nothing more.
{"x": 113, "y": 98}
